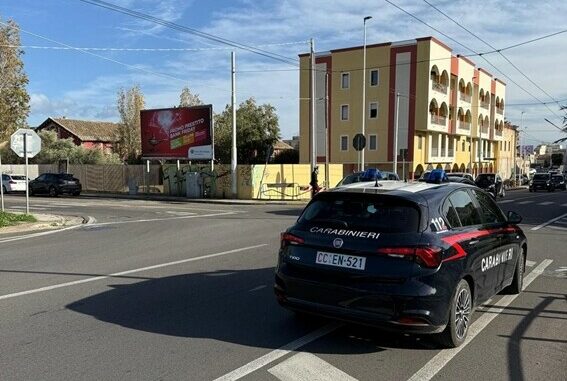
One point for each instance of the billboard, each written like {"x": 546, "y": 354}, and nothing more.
{"x": 177, "y": 133}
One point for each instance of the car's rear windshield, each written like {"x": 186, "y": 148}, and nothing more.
{"x": 18, "y": 177}
{"x": 541, "y": 176}
{"x": 65, "y": 176}
{"x": 385, "y": 214}
{"x": 485, "y": 179}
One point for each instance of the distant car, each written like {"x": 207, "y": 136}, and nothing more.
{"x": 55, "y": 184}
{"x": 459, "y": 179}
{"x": 389, "y": 176}
{"x": 461, "y": 174}
{"x": 370, "y": 174}
{"x": 542, "y": 181}
{"x": 559, "y": 182}
{"x": 13, "y": 183}
{"x": 424, "y": 176}
{"x": 492, "y": 183}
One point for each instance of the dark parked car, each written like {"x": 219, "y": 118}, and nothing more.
{"x": 370, "y": 174}
{"x": 411, "y": 257}
{"x": 461, "y": 174}
{"x": 55, "y": 184}
{"x": 559, "y": 182}
{"x": 492, "y": 183}
{"x": 459, "y": 179}
{"x": 542, "y": 181}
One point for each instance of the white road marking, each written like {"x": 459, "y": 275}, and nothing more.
{"x": 93, "y": 279}
{"x": 561, "y": 222}
{"x": 278, "y": 353}
{"x": 525, "y": 202}
{"x": 162, "y": 219}
{"x": 429, "y": 370}
{"x": 546, "y": 203}
{"x": 530, "y": 263}
{"x": 306, "y": 366}
{"x": 40, "y": 234}
{"x": 563, "y": 204}
{"x": 549, "y": 222}
{"x": 179, "y": 213}
{"x": 557, "y": 228}
{"x": 505, "y": 201}
{"x": 260, "y": 287}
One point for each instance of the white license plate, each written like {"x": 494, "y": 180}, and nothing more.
{"x": 340, "y": 260}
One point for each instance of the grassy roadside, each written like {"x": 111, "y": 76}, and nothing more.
{"x": 10, "y": 219}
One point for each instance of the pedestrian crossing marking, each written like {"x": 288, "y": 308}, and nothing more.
{"x": 546, "y": 203}
{"x": 306, "y": 366}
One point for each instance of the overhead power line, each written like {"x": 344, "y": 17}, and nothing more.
{"x": 474, "y": 51}
{"x": 491, "y": 47}
{"x": 192, "y": 31}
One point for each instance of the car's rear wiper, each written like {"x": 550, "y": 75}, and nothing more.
{"x": 331, "y": 221}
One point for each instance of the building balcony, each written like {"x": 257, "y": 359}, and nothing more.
{"x": 499, "y": 111}
{"x": 451, "y": 153}
{"x": 498, "y": 133}
{"x": 439, "y": 87}
{"x": 484, "y": 104}
{"x": 439, "y": 120}
{"x": 465, "y": 97}
{"x": 434, "y": 151}
{"x": 484, "y": 130}
{"x": 464, "y": 125}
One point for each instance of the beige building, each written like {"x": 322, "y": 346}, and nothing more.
{"x": 445, "y": 102}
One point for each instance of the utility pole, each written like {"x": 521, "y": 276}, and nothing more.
{"x": 313, "y": 126}
{"x": 27, "y": 173}
{"x": 327, "y": 148}
{"x": 521, "y": 147}
{"x": 363, "y": 94}
{"x": 397, "y": 126}
{"x": 233, "y": 162}
{"x": 1, "y": 183}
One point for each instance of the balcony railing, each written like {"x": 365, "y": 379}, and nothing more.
{"x": 484, "y": 130}
{"x": 438, "y": 119}
{"x": 464, "y": 125}
{"x": 484, "y": 104}
{"x": 499, "y": 111}
{"x": 439, "y": 87}
{"x": 465, "y": 97}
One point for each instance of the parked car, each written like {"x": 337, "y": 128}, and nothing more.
{"x": 389, "y": 176}
{"x": 370, "y": 174}
{"x": 459, "y": 179}
{"x": 55, "y": 184}
{"x": 542, "y": 181}
{"x": 461, "y": 174}
{"x": 559, "y": 182}
{"x": 415, "y": 258}
{"x": 13, "y": 183}
{"x": 492, "y": 183}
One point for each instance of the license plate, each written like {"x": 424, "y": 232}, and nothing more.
{"x": 340, "y": 260}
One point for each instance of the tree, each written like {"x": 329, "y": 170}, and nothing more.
{"x": 187, "y": 99}
{"x": 130, "y": 103}
{"x": 288, "y": 156}
{"x": 14, "y": 98}
{"x": 257, "y": 131}
{"x": 54, "y": 149}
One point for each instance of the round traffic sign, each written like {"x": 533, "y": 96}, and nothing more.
{"x": 359, "y": 142}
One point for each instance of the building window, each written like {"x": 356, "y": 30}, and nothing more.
{"x": 345, "y": 80}
{"x": 419, "y": 142}
{"x": 344, "y": 142}
{"x": 344, "y": 112}
{"x": 372, "y": 142}
{"x": 373, "y": 110}
{"x": 463, "y": 146}
{"x": 374, "y": 77}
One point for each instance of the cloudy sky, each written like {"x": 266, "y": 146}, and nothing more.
{"x": 82, "y": 85}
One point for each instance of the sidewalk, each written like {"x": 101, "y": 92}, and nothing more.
{"x": 161, "y": 197}
{"x": 44, "y": 222}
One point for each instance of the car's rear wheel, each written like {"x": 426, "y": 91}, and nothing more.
{"x": 459, "y": 317}
{"x": 76, "y": 193}
{"x": 518, "y": 281}
{"x": 53, "y": 192}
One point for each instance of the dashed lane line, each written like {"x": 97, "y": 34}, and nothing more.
{"x": 525, "y": 202}
{"x": 546, "y": 203}
{"x": 548, "y": 222}
{"x": 122, "y": 273}
{"x": 438, "y": 362}
{"x": 506, "y": 201}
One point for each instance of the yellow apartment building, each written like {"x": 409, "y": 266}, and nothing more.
{"x": 445, "y": 103}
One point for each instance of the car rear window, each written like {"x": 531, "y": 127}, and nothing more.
{"x": 541, "y": 176}
{"x": 65, "y": 176}
{"x": 369, "y": 212}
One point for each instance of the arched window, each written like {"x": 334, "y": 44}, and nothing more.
{"x": 434, "y": 74}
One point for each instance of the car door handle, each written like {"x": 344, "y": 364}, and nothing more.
{"x": 473, "y": 242}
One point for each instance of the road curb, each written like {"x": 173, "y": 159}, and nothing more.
{"x": 47, "y": 222}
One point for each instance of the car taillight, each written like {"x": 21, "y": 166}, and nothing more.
{"x": 426, "y": 256}
{"x": 290, "y": 239}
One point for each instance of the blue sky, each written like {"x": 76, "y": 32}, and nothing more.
{"x": 80, "y": 85}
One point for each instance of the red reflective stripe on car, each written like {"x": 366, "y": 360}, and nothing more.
{"x": 461, "y": 253}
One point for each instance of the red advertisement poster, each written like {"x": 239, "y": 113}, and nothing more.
{"x": 169, "y": 133}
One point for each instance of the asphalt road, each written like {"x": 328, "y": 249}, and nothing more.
{"x": 170, "y": 291}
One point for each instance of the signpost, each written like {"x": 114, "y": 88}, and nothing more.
{"x": 26, "y": 143}
{"x": 359, "y": 142}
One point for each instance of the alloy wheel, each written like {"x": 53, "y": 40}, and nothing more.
{"x": 462, "y": 313}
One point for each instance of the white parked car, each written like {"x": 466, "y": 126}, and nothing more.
{"x": 13, "y": 183}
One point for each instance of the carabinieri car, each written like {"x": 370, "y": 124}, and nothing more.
{"x": 413, "y": 257}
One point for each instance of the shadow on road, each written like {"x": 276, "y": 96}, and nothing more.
{"x": 287, "y": 212}
{"x": 229, "y": 306}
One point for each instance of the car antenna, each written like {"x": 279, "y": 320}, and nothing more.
{"x": 376, "y": 183}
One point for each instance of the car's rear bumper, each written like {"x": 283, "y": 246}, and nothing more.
{"x": 413, "y": 313}
{"x": 70, "y": 189}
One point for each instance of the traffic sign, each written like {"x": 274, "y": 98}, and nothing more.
{"x": 33, "y": 142}
{"x": 359, "y": 142}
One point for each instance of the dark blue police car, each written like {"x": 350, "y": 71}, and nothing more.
{"x": 415, "y": 257}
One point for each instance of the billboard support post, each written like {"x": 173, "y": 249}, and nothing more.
{"x": 147, "y": 176}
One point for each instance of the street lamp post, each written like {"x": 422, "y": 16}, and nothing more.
{"x": 363, "y": 92}
{"x": 521, "y": 148}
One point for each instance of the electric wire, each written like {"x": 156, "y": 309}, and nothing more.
{"x": 192, "y": 31}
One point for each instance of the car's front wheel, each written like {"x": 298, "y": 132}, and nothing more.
{"x": 459, "y": 317}
{"x": 518, "y": 281}
{"x": 53, "y": 191}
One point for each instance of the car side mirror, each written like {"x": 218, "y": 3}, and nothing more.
{"x": 514, "y": 218}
